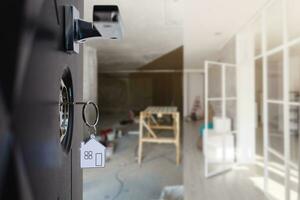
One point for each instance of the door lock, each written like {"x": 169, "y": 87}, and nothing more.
{"x": 66, "y": 111}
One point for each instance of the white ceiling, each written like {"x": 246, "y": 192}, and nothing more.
{"x": 153, "y": 28}
{"x": 210, "y": 24}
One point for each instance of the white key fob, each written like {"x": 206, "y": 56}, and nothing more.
{"x": 92, "y": 153}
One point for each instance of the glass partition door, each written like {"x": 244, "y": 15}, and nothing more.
{"x": 220, "y": 102}
{"x": 277, "y": 47}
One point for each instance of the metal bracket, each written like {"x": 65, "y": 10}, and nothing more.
{"x": 77, "y": 30}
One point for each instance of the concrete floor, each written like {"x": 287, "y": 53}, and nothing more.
{"x": 123, "y": 179}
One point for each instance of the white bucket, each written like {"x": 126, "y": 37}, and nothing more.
{"x": 222, "y": 124}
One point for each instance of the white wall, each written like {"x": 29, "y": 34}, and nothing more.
{"x": 246, "y": 97}
{"x": 90, "y": 74}
{"x": 228, "y": 52}
{"x": 193, "y": 88}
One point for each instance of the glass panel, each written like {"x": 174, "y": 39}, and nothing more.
{"x": 230, "y": 81}
{"x": 231, "y": 113}
{"x": 219, "y": 152}
{"x": 215, "y": 108}
{"x": 275, "y": 76}
{"x": 294, "y": 133}
{"x": 293, "y": 19}
{"x": 274, "y": 23}
{"x": 275, "y": 124}
{"x": 294, "y": 151}
{"x": 294, "y": 79}
{"x": 276, "y": 188}
{"x": 257, "y": 37}
{"x": 259, "y": 91}
{"x": 259, "y": 106}
{"x": 214, "y": 81}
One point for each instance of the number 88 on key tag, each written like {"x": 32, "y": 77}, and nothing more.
{"x": 92, "y": 152}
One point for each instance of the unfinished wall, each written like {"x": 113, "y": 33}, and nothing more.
{"x": 167, "y": 87}
{"x": 120, "y": 92}
{"x": 124, "y": 92}
{"x": 90, "y": 69}
{"x": 113, "y": 92}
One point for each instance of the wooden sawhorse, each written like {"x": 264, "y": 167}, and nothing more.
{"x": 148, "y": 126}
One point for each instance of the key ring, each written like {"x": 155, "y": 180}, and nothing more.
{"x": 85, "y": 104}
{"x": 91, "y": 125}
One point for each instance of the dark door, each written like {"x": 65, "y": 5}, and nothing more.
{"x": 30, "y": 89}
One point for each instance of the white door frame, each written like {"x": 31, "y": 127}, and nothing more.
{"x": 224, "y": 100}
{"x": 285, "y": 102}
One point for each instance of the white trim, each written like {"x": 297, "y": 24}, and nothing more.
{"x": 294, "y": 42}
{"x": 272, "y": 101}
{"x": 265, "y": 104}
{"x": 276, "y": 153}
{"x": 286, "y": 112}
{"x": 205, "y": 120}
{"x": 281, "y": 157}
{"x": 223, "y": 92}
{"x": 294, "y": 103}
{"x": 193, "y": 71}
{"x": 220, "y": 63}
{"x": 215, "y": 99}
{"x": 230, "y": 98}
{"x": 275, "y": 50}
{"x": 258, "y": 57}
{"x": 279, "y": 48}
{"x": 221, "y": 98}
{"x": 283, "y": 46}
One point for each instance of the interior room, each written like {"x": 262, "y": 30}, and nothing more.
{"x": 150, "y": 100}
{"x": 215, "y": 75}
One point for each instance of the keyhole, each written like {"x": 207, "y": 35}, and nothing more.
{"x": 66, "y": 110}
